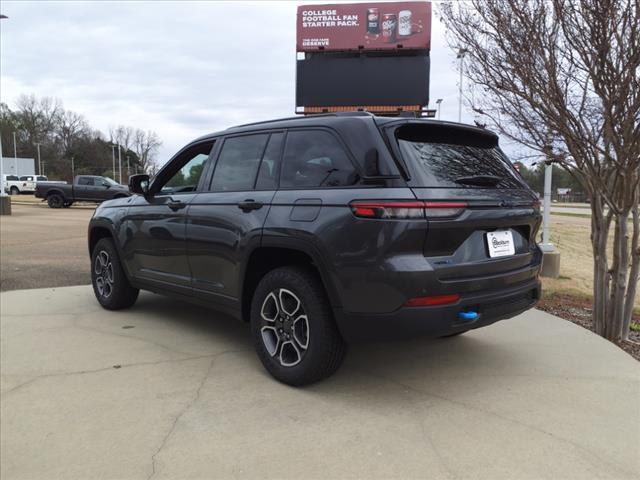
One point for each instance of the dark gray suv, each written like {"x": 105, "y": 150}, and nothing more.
{"x": 328, "y": 229}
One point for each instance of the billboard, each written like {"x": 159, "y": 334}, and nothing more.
{"x": 364, "y": 26}
{"x": 330, "y": 81}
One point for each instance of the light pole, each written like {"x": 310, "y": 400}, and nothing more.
{"x": 461, "y": 53}
{"x": 39, "y": 161}
{"x": 439, "y": 103}
{"x": 113, "y": 155}
{"x": 5, "y": 201}
{"x": 119, "y": 165}
{"x": 2, "y": 192}
{"x": 128, "y": 169}
{"x": 546, "y": 245}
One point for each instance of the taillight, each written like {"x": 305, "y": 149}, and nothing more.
{"x": 398, "y": 209}
{"x": 443, "y": 209}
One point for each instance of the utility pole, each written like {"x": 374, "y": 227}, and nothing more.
{"x": 119, "y": 165}
{"x": 39, "y": 161}
{"x": 461, "y": 53}
{"x": 15, "y": 148}
{"x": 73, "y": 169}
{"x": 128, "y": 169}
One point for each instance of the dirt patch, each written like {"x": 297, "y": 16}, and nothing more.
{"x": 42, "y": 247}
{"x": 578, "y": 310}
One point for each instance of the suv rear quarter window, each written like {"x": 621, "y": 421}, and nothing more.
{"x": 315, "y": 158}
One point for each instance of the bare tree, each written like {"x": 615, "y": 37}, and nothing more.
{"x": 146, "y": 145}
{"x": 70, "y": 126}
{"x": 37, "y": 118}
{"x": 123, "y": 136}
{"x": 562, "y": 77}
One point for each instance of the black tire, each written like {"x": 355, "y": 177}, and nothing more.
{"x": 280, "y": 342}
{"x": 14, "y": 191}
{"x": 55, "y": 200}
{"x": 67, "y": 204}
{"x": 110, "y": 284}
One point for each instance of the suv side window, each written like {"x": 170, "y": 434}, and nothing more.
{"x": 186, "y": 179}
{"x": 268, "y": 173}
{"x": 315, "y": 158}
{"x": 238, "y": 163}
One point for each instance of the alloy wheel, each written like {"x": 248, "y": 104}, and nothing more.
{"x": 284, "y": 327}
{"x": 103, "y": 269}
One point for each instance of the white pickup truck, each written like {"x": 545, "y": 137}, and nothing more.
{"x": 15, "y": 185}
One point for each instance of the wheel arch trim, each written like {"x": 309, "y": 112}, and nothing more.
{"x": 296, "y": 245}
{"x": 104, "y": 224}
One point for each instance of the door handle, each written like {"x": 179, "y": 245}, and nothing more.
{"x": 249, "y": 204}
{"x": 176, "y": 205}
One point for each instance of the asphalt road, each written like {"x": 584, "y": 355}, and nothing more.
{"x": 41, "y": 247}
{"x": 168, "y": 390}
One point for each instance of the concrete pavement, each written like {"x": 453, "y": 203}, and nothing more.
{"x": 169, "y": 390}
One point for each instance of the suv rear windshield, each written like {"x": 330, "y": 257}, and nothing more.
{"x": 441, "y": 156}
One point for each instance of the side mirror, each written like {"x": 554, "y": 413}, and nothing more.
{"x": 105, "y": 184}
{"x": 372, "y": 168}
{"x": 139, "y": 184}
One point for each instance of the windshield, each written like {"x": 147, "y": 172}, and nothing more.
{"x": 442, "y": 157}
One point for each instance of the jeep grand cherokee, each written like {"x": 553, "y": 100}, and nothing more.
{"x": 328, "y": 229}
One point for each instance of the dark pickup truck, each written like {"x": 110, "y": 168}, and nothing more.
{"x": 85, "y": 188}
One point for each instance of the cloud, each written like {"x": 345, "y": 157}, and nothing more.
{"x": 183, "y": 69}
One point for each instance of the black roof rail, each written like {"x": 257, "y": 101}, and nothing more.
{"x": 355, "y": 113}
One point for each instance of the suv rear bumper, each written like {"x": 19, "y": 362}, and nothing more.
{"x": 439, "y": 321}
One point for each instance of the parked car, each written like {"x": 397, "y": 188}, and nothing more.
{"x": 85, "y": 188}
{"x": 328, "y": 229}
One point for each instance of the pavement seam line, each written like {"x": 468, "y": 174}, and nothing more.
{"x": 179, "y": 416}
{"x": 105, "y": 369}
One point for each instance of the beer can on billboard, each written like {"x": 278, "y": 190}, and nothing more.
{"x": 389, "y": 26}
{"x": 404, "y": 23}
{"x": 373, "y": 20}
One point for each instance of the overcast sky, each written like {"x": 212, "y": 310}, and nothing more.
{"x": 182, "y": 69}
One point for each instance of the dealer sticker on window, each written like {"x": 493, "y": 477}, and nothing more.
{"x": 500, "y": 243}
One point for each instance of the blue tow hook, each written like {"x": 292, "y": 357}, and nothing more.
{"x": 467, "y": 315}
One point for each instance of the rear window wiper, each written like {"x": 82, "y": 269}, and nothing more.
{"x": 480, "y": 180}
